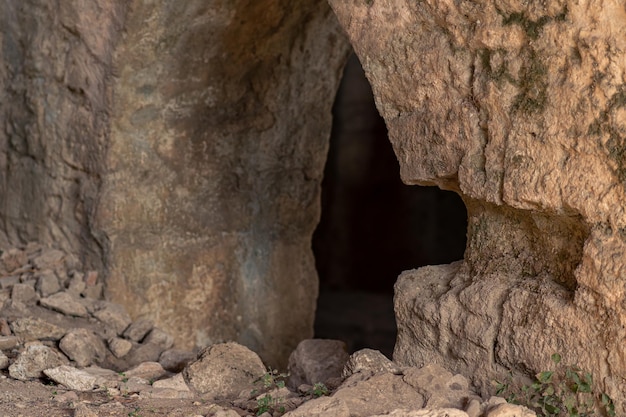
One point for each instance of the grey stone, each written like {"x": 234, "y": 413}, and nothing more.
{"x": 65, "y": 303}
{"x": 159, "y": 337}
{"x": 83, "y": 347}
{"x": 119, "y": 347}
{"x": 147, "y": 370}
{"x": 316, "y": 360}
{"x": 47, "y": 283}
{"x": 10, "y": 342}
{"x": 29, "y": 329}
{"x": 378, "y": 394}
{"x": 76, "y": 285}
{"x": 93, "y": 291}
{"x": 368, "y": 360}
{"x": 48, "y": 259}
{"x": 138, "y": 329}
{"x": 177, "y": 382}
{"x": 33, "y": 360}
{"x": 321, "y": 407}
{"x": 72, "y": 378}
{"x": 146, "y": 352}
{"x": 115, "y": 316}
{"x": 224, "y": 370}
{"x": 440, "y": 388}
{"x": 10, "y": 281}
{"x": 4, "y": 361}
{"x": 174, "y": 360}
{"x": 24, "y": 293}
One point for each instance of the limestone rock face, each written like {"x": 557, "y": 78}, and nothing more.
{"x": 520, "y": 107}
{"x": 182, "y": 159}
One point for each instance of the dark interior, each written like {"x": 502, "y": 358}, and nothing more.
{"x": 373, "y": 226}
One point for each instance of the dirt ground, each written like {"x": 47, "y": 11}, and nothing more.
{"x": 36, "y": 399}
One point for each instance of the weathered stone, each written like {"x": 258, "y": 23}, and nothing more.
{"x": 29, "y": 329}
{"x": 177, "y": 382}
{"x": 316, "y": 360}
{"x": 82, "y": 410}
{"x": 439, "y": 412}
{"x": 94, "y": 291}
{"x": 72, "y": 378}
{"x": 119, "y": 347}
{"x": 33, "y": 360}
{"x": 321, "y": 407}
{"x": 9, "y": 282}
{"x": 509, "y": 410}
{"x": 24, "y": 293}
{"x": 439, "y": 387}
{"x": 147, "y": 370}
{"x": 138, "y": 330}
{"x": 134, "y": 384}
{"x": 5, "y": 329}
{"x": 368, "y": 360}
{"x": 4, "y": 361}
{"x": 502, "y": 102}
{"x": 160, "y": 338}
{"x": 12, "y": 259}
{"x": 76, "y": 285}
{"x": 174, "y": 360}
{"x": 48, "y": 259}
{"x": 224, "y": 370}
{"x": 65, "y": 303}
{"x": 47, "y": 283}
{"x": 115, "y": 316}
{"x": 381, "y": 393}
{"x": 10, "y": 342}
{"x": 83, "y": 347}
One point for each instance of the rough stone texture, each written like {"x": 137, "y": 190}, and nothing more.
{"x": 321, "y": 407}
{"x": 316, "y": 360}
{"x": 29, "y": 329}
{"x": 182, "y": 160}
{"x": 439, "y": 387}
{"x": 138, "y": 330}
{"x": 119, "y": 347}
{"x": 368, "y": 360}
{"x": 224, "y": 370}
{"x": 443, "y": 412}
{"x": 65, "y": 303}
{"x": 30, "y": 363}
{"x": 174, "y": 360}
{"x": 72, "y": 378}
{"x": 520, "y": 107}
{"x": 83, "y": 347}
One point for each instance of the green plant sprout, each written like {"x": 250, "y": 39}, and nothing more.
{"x": 566, "y": 391}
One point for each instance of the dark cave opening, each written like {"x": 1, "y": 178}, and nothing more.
{"x": 373, "y": 226}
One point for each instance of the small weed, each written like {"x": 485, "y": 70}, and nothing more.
{"x": 320, "y": 390}
{"x": 564, "y": 392}
{"x": 272, "y": 379}
{"x": 135, "y": 413}
{"x": 123, "y": 375}
{"x": 269, "y": 404}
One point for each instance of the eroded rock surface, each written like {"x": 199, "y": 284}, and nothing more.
{"x": 520, "y": 108}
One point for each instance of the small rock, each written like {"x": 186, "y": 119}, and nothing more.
{"x": 66, "y": 397}
{"x": 134, "y": 384}
{"x": 30, "y": 363}
{"x": 82, "y": 410}
{"x": 47, "y": 283}
{"x": 9, "y": 342}
{"x": 93, "y": 292}
{"x": 159, "y": 337}
{"x": 147, "y": 370}
{"x": 224, "y": 370}
{"x": 76, "y": 284}
{"x": 91, "y": 278}
{"x": 148, "y": 352}
{"x": 9, "y": 282}
{"x": 174, "y": 360}
{"x": 29, "y": 329}
{"x": 49, "y": 259}
{"x": 177, "y": 382}
{"x": 316, "y": 360}
{"x": 439, "y": 412}
{"x": 166, "y": 393}
{"x": 440, "y": 387}
{"x": 4, "y": 361}
{"x": 225, "y": 413}
{"x": 5, "y": 329}
{"x": 119, "y": 347}
{"x": 473, "y": 408}
{"x": 83, "y": 347}
{"x": 72, "y": 378}
{"x": 138, "y": 330}
{"x": 12, "y": 259}
{"x": 321, "y": 407}
{"x": 24, "y": 293}
{"x": 65, "y": 303}
{"x": 115, "y": 316}
{"x": 371, "y": 360}
{"x": 104, "y": 377}
{"x": 509, "y": 410}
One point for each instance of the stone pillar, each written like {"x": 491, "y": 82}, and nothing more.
{"x": 178, "y": 147}
{"x": 521, "y": 109}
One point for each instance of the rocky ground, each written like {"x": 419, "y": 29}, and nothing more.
{"x": 65, "y": 351}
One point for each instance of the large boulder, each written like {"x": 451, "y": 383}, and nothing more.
{"x": 178, "y": 147}
{"x": 519, "y": 107}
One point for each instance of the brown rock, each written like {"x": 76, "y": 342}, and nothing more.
{"x": 48, "y": 259}
{"x": 65, "y": 303}
{"x": 368, "y": 360}
{"x": 83, "y": 347}
{"x": 138, "y": 329}
{"x": 147, "y": 370}
{"x": 12, "y": 259}
{"x": 47, "y": 283}
{"x": 224, "y": 370}
{"x": 114, "y": 316}
{"x": 29, "y": 329}
{"x": 31, "y": 363}
{"x": 316, "y": 360}
{"x": 119, "y": 347}
{"x": 24, "y": 293}
{"x": 174, "y": 360}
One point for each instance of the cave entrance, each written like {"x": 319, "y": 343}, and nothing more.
{"x": 373, "y": 226}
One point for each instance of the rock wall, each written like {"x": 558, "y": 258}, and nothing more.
{"x": 519, "y": 107}
{"x": 178, "y": 147}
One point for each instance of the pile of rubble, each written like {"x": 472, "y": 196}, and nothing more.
{"x": 55, "y": 326}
